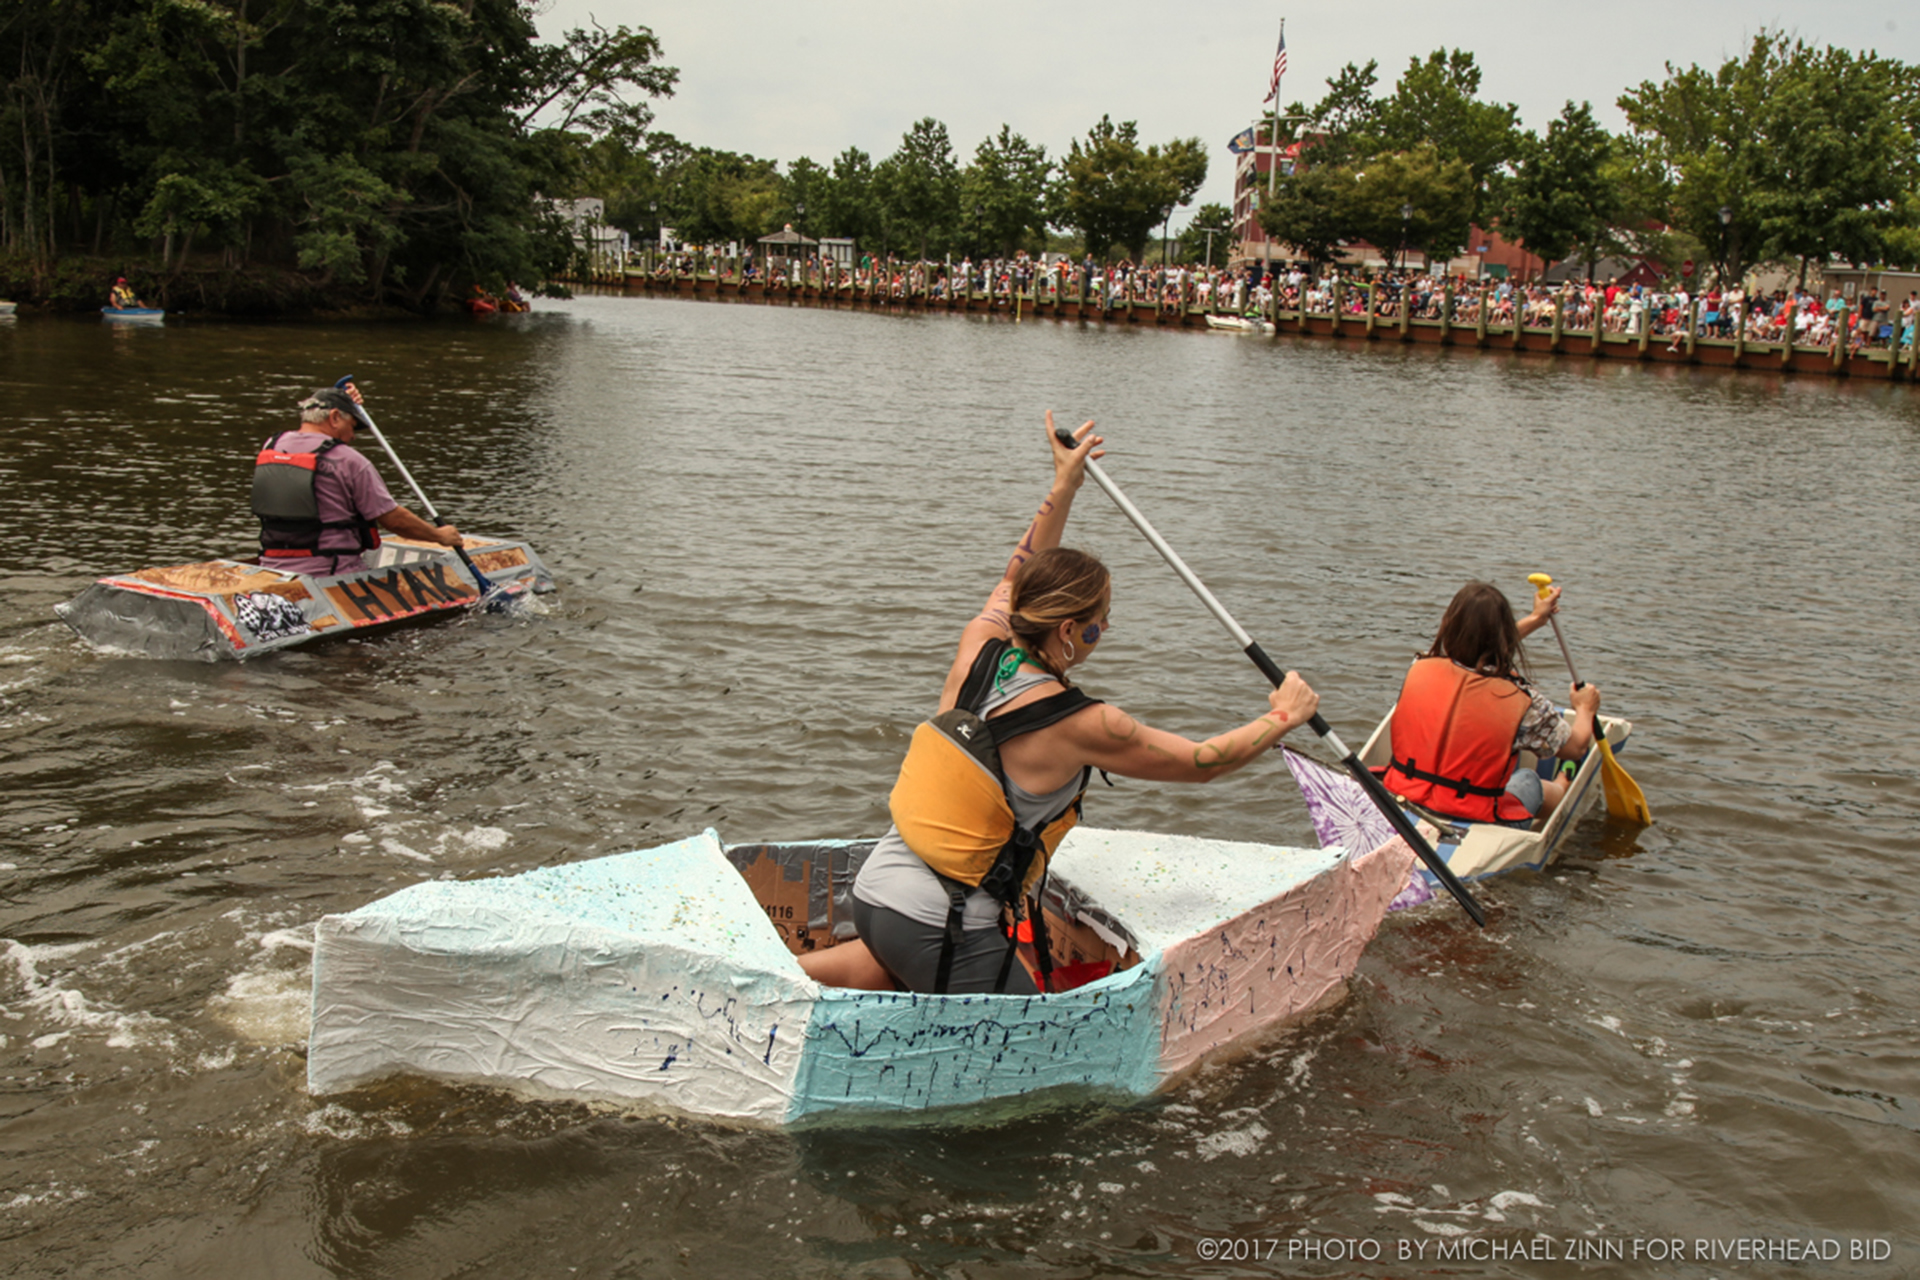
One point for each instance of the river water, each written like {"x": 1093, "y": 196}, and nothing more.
{"x": 768, "y": 526}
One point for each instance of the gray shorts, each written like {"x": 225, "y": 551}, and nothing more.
{"x": 1525, "y": 787}
{"x": 911, "y": 952}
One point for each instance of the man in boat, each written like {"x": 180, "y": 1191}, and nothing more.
{"x": 320, "y": 502}
{"x": 1467, "y": 710}
{"x": 123, "y": 298}
{"x": 974, "y": 825}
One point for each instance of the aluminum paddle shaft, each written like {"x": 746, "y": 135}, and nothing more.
{"x": 367, "y": 419}
{"x": 1402, "y": 825}
{"x": 479, "y": 579}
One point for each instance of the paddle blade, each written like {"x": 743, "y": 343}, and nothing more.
{"x": 1624, "y": 797}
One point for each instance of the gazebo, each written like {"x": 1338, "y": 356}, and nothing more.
{"x": 786, "y": 244}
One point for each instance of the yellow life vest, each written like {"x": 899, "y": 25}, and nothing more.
{"x": 950, "y": 803}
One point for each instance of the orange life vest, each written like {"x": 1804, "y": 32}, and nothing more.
{"x": 1452, "y": 741}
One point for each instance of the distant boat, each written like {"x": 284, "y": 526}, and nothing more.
{"x": 1238, "y": 324}
{"x": 6, "y": 308}
{"x": 133, "y": 313}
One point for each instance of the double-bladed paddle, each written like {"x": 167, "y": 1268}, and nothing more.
{"x": 1402, "y": 825}
{"x": 1625, "y": 799}
{"x": 479, "y": 579}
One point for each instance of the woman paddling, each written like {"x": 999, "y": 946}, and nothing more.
{"x": 1466, "y": 711}
{"x": 968, "y": 847}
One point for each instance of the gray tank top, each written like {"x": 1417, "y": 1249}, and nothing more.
{"x": 897, "y": 878}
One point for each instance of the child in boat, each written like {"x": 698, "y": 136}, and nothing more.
{"x": 123, "y": 298}
{"x": 924, "y": 902}
{"x": 1467, "y": 710}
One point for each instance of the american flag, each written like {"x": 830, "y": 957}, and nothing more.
{"x": 1279, "y": 64}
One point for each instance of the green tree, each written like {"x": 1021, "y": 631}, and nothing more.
{"x": 1310, "y": 212}
{"x": 1436, "y": 104}
{"x": 1843, "y": 153}
{"x": 1003, "y": 195}
{"x": 1196, "y": 246}
{"x": 1113, "y": 191}
{"x": 1345, "y": 125}
{"x": 399, "y": 146}
{"x": 1568, "y": 193}
{"x": 850, "y": 205}
{"x": 1788, "y": 151}
{"x": 920, "y": 189}
{"x": 1413, "y": 199}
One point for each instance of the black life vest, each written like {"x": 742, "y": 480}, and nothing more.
{"x": 287, "y": 500}
{"x": 952, "y": 808}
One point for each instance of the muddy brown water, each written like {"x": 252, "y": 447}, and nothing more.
{"x": 768, "y": 526}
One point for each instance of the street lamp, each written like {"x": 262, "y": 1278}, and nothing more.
{"x": 1211, "y": 233}
{"x": 1406, "y": 216}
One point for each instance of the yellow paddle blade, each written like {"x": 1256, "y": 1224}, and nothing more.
{"x": 1624, "y": 797}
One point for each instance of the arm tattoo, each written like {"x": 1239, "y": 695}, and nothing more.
{"x": 1023, "y": 552}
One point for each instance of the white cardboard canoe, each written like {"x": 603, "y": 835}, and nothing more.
{"x": 667, "y": 977}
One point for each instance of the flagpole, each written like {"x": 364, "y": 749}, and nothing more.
{"x": 1273, "y": 158}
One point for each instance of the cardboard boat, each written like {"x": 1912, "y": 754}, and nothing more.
{"x": 239, "y": 609}
{"x": 668, "y": 978}
{"x": 1343, "y": 816}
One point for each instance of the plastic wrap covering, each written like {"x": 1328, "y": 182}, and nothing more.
{"x": 664, "y": 977}
{"x": 644, "y": 977}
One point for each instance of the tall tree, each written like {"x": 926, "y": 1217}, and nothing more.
{"x": 1413, "y": 199}
{"x": 1436, "y": 103}
{"x": 1568, "y": 194}
{"x": 1788, "y": 151}
{"x": 1003, "y": 195}
{"x": 921, "y": 186}
{"x": 1113, "y": 191}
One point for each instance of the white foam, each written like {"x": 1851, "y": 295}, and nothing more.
{"x": 270, "y": 1008}
{"x": 69, "y": 1008}
{"x": 1237, "y": 1142}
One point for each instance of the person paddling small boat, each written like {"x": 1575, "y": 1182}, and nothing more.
{"x": 1467, "y": 710}
{"x": 991, "y": 785}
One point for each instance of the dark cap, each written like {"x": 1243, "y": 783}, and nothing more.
{"x": 331, "y": 398}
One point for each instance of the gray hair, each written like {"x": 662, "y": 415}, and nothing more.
{"x": 316, "y": 416}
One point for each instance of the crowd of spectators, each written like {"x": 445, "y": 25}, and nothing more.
{"x": 1874, "y": 319}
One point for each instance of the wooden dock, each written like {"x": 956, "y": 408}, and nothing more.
{"x": 1349, "y": 320}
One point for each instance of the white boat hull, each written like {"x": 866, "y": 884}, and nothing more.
{"x": 658, "y": 978}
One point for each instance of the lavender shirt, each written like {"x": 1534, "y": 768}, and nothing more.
{"x": 347, "y": 485}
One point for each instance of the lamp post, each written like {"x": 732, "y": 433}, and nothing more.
{"x": 1211, "y": 233}
{"x": 1726, "y": 225}
{"x": 1406, "y": 216}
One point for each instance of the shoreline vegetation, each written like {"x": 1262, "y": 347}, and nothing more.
{"x": 317, "y": 158}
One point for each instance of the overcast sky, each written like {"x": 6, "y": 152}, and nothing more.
{"x": 795, "y": 79}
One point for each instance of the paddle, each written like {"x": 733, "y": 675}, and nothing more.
{"x": 1402, "y": 825}
{"x": 1624, "y": 797}
{"x": 480, "y": 579}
